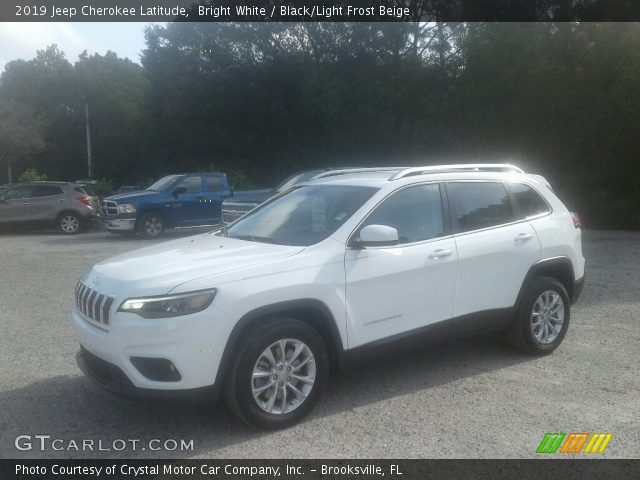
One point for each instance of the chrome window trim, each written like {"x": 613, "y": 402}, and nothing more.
{"x": 401, "y": 245}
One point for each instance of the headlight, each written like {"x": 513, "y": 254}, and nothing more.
{"x": 169, "y": 305}
{"x": 126, "y": 208}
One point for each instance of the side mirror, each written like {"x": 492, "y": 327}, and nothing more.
{"x": 377, "y": 236}
{"x": 179, "y": 190}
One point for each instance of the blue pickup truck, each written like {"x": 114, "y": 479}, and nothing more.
{"x": 182, "y": 200}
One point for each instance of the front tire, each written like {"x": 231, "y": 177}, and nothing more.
{"x": 543, "y": 317}
{"x": 151, "y": 225}
{"x": 278, "y": 374}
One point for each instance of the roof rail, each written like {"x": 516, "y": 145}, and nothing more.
{"x": 346, "y": 171}
{"x": 462, "y": 167}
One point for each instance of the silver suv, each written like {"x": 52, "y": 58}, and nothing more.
{"x": 66, "y": 205}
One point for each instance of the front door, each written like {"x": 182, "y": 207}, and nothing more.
{"x": 15, "y": 205}
{"x": 188, "y": 208}
{"x": 395, "y": 290}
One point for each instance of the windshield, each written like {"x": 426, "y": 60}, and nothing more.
{"x": 302, "y": 216}
{"x": 295, "y": 179}
{"x": 165, "y": 183}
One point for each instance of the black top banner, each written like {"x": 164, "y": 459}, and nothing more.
{"x": 318, "y": 10}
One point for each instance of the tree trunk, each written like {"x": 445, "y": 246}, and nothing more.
{"x": 9, "y": 171}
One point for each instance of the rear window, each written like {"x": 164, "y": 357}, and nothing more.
{"x": 192, "y": 184}
{"x": 528, "y": 202}
{"x": 479, "y": 205}
{"x": 46, "y": 191}
{"x": 215, "y": 184}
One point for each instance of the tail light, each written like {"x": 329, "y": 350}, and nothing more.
{"x": 576, "y": 220}
{"x": 84, "y": 199}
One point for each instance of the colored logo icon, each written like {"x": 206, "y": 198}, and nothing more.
{"x": 576, "y": 442}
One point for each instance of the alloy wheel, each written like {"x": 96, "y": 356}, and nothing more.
{"x": 153, "y": 226}
{"x": 70, "y": 224}
{"x": 547, "y": 317}
{"x": 283, "y": 376}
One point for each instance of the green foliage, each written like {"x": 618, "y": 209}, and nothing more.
{"x": 238, "y": 179}
{"x": 20, "y": 133}
{"x": 32, "y": 175}
{"x": 267, "y": 99}
{"x": 103, "y": 188}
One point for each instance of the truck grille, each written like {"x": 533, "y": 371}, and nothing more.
{"x": 109, "y": 208}
{"x": 233, "y": 211}
{"x": 93, "y": 305}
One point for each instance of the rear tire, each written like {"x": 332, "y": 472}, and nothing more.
{"x": 151, "y": 225}
{"x": 270, "y": 390}
{"x": 542, "y": 318}
{"x": 70, "y": 223}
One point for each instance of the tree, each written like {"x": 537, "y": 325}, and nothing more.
{"x": 20, "y": 134}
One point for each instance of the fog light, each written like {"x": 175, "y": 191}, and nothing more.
{"x": 157, "y": 369}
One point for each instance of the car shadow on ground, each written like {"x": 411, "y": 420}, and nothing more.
{"x": 71, "y": 407}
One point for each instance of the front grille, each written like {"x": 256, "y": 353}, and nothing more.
{"x": 109, "y": 207}
{"x": 93, "y": 304}
{"x": 233, "y": 211}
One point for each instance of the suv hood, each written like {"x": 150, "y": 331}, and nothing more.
{"x": 158, "y": 269}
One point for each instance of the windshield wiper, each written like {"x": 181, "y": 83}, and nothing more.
{"x": 254, "y": 238}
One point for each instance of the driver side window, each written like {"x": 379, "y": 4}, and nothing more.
{"x": 18, "y": 193}
{"x": 416, "y": 212}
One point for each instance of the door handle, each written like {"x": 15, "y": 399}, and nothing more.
{"x": 440, "y": 253}
{"x": 26, "y": 203}
{"x": 523, "y": 237}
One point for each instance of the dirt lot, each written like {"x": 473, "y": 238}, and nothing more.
{"x": 472, "y": 398}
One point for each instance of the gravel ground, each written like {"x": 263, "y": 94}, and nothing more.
{"x": 472, "y": 398}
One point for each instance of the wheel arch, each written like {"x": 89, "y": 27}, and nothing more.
{"x": 146, "y": 211}
{"x": 69, "y": 210}
{"x": 559, "y": 268}
{"x": 310, "y": 311}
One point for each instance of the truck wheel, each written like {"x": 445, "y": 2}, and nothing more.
{"x": 278, "y": 374}
{"x": 70, "y": 223}
{"x": 151, "y": 225}
{"x": 543, "y": 317}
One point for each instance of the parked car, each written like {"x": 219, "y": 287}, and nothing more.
{"x": 327, "y": 275}
{"x": 63, "y": 204}
{"x": 243, "y": 201}
{"x": 183, "y": 200}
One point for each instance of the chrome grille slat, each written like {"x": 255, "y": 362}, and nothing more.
{"x": 85, "y": 296}
{"x": 105, "y": 310}
{"x": 94, "y": 305}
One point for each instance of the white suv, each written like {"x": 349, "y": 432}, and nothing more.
{"x": 328, "y": 274}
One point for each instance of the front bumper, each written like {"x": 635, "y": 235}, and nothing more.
{"x": 118, "y": 224}
{"x": 193, "y": 344}
{"x": 233, "y": 211}
{"x": 113, "y": 379}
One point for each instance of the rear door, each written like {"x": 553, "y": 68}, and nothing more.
{"x": 393, "y": 290}
{"x": 15, "y": 205}
{"x": 47, "y": 201}
{"x": 216, "y": 190}
{"x": 495, "y": 250}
